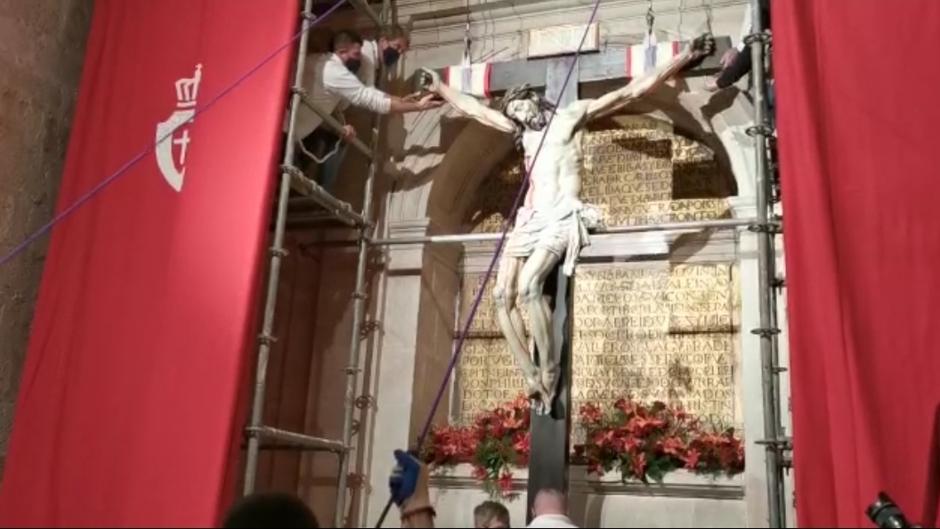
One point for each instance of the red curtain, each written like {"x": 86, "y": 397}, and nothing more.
{"x": 129, "y": 396}
{"x": 857, "y": 114}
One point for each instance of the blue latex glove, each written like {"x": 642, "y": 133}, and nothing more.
{"x": 404, "y": 479}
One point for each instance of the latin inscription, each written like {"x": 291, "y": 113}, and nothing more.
{"x": 664, "y": 333}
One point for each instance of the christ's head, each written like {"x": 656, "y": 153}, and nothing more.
{"x": 526, "y": 107}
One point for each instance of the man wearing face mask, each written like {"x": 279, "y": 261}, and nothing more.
{"x": 346, "y": 76}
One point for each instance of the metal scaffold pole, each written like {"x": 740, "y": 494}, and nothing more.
{"x": 265, "y": 340}
{"x": 360, "y": 294}
{"x": 293, "y": 178}
{"x": 767, "y": 229}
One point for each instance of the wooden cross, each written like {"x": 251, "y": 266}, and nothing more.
{"x": 609, "y": 65}
{"x": 551, "y": 434}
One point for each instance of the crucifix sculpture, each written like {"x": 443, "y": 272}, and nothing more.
{"x": 552, "y": 224}
{"x": 556, "y": 230}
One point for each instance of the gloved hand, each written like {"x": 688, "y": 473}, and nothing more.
{"x": 409, "y": 485}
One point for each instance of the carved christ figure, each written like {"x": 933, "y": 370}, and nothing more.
{"x": 552, "y": 223}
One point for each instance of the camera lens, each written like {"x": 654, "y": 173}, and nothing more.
{"x": 885, "y": 513}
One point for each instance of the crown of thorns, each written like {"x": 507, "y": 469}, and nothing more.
{"x": 522, "y": 92}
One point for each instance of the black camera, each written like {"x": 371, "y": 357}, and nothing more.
{"x": 885, "y": 513}
{"x": 422, "y": 81}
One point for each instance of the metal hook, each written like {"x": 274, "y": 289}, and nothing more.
{"x": 707, "y": 7}
{"x": 650, "y": 18}
{"x": 467, "y": 40}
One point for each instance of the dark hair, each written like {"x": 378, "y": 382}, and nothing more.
{"x": 261, "y": 511}
{"x": 395, "y": 32}
{"x": 345, "y": 38}
{"x": 488, "y": 511}
{"x": 518, "y": 93}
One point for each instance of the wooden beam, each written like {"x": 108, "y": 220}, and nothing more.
{"x": 608, "y": 65}
{"x": 551, "y": 434}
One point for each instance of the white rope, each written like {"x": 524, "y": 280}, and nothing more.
{"x": 308, "y": 154}
{"x": 467, "y": 40}
{"x": 707, "y": 6}
{"x": 681, "y": 8}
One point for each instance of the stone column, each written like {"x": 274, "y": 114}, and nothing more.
{"x": 393, "y": 369}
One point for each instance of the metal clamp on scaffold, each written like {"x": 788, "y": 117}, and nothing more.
{"x": 369, "y": 327}
{"x": 767, "y": 227}
{"x": 760, "y": 130}
{"x": 762, "y": 37}
{"x": 766, "y": 332}
{"x": 280, "y": 253}
{"x": 359, "y": 294}
{"x": 784, "y": 444}
{"x": 365, "y": 402}
{"x": 267, "y": 339}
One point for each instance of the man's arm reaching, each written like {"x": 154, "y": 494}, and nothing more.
{"x": 639, "y": 87}
{"x": 340, "y": 81}
{"x": 399, "y": 105}
{"x": 469, "y": 106}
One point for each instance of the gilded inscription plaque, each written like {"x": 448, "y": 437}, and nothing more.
{"x": 641, "y": 172}
{"x": 664, "y": 333}
{"x": 651, "y": 330}
{"x": 486, "y": 376}
{"x": 656, "y": 332}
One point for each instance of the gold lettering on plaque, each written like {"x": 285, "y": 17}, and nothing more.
{"x": 662, "y": 333}
{"x": 486, "y": 376}
{"x": 641, "y": 172}
{"x": 657, "y": 333}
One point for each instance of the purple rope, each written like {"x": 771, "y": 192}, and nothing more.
{"x": 65, "y": 213}
{"x": 499, "y": 248}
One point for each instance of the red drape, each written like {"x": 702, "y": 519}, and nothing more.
{"x": 857, "y": 113}
{"x": 128, "y": 400}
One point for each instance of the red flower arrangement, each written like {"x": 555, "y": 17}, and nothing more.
{"x": 647, "y": 442}
{"x": 496, "y": 442}
{"x": 642, "y": 442}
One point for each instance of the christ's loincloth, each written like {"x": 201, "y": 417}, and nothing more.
{"x": 563, "y": 231}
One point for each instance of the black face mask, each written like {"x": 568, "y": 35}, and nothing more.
{"x": 353, "y": 64}
{"x": 390, "y": 56}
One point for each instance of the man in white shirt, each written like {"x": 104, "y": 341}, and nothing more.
{"x": 346, "y": 76}
{"x": 550, "y": 509}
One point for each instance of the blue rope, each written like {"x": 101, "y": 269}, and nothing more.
{"x": 121, "y": 171}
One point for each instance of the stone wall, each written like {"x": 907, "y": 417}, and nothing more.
{"x": 41, "y": 54}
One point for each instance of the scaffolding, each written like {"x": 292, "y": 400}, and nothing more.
{"x": 293, "y": 178}
{"x": 776, "y": 443}
{"x": 766, "y": 225}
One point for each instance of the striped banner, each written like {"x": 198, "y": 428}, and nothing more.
{"x": 473, "y": 79}
{"x": 642, "y": 58}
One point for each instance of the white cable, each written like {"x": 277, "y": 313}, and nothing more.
{"x": 308, "y": 154}
{"x": 679, "y": 34}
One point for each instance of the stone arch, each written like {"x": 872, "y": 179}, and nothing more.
{"x": 446, "y": 172}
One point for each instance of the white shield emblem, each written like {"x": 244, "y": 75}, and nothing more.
{"x": 174, "y": 131}
{"x": 164, "y": 149}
